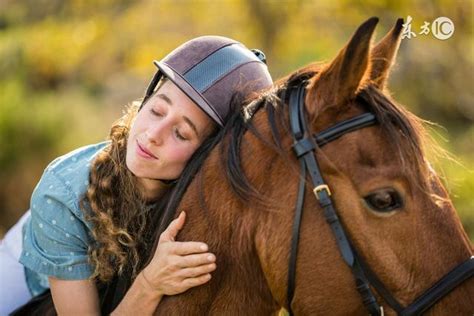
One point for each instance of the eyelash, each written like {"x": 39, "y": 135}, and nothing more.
{"x": 155, "y": 113}
{"x": 181, "y": 137}
{"x": 176, "y": 131}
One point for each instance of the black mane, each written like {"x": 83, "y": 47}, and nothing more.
{"x": 405, "y": 130}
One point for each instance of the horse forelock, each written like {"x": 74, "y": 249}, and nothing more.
{"x": 273, "y": 101}
{"x": 405, "y": 132}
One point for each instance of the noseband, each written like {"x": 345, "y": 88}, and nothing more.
{"x": 304, "y": 147}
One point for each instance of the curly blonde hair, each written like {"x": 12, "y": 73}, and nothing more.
{"x": 115, "y": 207}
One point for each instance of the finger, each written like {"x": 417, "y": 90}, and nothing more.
{"x": 194, "y": 260}
{"x": 197, "y": 271}
{"x": 173, "y": 228}
{"x": 192, "y": 282}
{"x": 183, "y": 248}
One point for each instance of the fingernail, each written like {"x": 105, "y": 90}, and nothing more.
{"x": 210, "y": 258}
{"x": 204, "y": 247}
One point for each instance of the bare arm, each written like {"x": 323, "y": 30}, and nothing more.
{"x": 74, "y": 297}
{"x": 175, "y": 267}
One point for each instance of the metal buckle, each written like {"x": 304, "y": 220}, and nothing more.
{"x": 321, "y": 187}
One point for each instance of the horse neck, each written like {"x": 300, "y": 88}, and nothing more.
{"x": 215, "y": 216}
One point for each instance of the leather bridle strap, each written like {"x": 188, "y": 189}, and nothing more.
{"x": 446, "y": 284}
{"x": 304, "y": 146}
{"x": 430, "y": 297}
{"x": 294, "y": 240}
{"x": 425, "y": 301}
{"x": 344, "y": 127}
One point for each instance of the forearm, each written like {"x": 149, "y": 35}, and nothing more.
{"x": 140, "y": 299}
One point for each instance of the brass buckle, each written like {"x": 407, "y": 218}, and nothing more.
{"x": 321, "y": 187}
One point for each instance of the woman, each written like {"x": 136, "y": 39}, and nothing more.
{"x": 93, "y": 211}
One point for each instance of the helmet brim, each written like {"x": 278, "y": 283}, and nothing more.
{"x": 189, "y": 90}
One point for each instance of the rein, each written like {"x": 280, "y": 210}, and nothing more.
{"x": 304, "y": 147}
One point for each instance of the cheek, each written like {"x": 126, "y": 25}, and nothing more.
{"x": 134, "y": 126}
{"x": 132, "y": 136}
{"x": 181, "y": 154}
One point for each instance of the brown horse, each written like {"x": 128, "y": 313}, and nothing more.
{"x": 391, "y": 203}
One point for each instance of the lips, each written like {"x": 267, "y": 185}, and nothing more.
{"x": 143, "y": 152}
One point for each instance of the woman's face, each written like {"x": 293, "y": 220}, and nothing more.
{"x": 165, "y": 133}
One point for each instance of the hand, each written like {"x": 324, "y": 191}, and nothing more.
{"x": 177, "y": 266}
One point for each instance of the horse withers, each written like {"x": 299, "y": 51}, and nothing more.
{"x": 396, "y": 216}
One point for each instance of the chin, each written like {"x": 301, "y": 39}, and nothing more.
{"x": 134, "y": 167}
{"x": 143, "y": 172}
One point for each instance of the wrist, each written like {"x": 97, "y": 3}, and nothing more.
{"x": 148, "y": 286}
{"x": 141, "y": 299}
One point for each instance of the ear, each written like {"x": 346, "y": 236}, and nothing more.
{"x": 339, "y": 81}
{"x": 383, "y": 55}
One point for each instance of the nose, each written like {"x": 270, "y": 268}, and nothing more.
{"x": 157, "y": 133}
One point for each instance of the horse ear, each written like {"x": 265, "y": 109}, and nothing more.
{"x": 339, "y": 81}
{"x": 383, "y": 55}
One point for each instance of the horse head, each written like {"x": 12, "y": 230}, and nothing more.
{"x": 390, "y": 202}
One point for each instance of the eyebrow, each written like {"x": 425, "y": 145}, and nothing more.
{"x": 165, "y": 98}
{"x": 191, "y": 124}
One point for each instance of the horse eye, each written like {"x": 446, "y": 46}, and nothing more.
{"x": 385, "y": 200}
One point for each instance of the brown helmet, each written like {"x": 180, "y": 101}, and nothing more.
{"x": 211, "y": 70}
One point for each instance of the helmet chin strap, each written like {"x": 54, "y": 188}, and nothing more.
{"x": 165, "y": 181}
{"x": 151, "y": 87}
{"x": 168, "y": 182}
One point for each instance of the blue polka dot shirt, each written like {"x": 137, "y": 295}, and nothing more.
{"x": 56, "y": 237}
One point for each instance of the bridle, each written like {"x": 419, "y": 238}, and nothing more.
{"x": 304, "y": 147}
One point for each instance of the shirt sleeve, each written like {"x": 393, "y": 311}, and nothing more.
{"x": 56, "y": 237}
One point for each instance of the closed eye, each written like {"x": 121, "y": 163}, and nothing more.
{"x": 156, "y": 113}
{"x": 179, "y": 136}
{"x": 175, "y": 130}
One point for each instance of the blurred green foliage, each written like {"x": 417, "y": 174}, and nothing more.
{"x": 67, "y": 68}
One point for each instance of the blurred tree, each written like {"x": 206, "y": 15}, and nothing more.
{"x": 67, "y": 68}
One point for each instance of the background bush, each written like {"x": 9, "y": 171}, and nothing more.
{"x": 67, "y": 68}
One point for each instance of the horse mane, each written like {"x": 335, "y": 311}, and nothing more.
{"x": 167, "y": 210}
{"x": 231, "y": 134}
{"x": 405, "y": 131}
